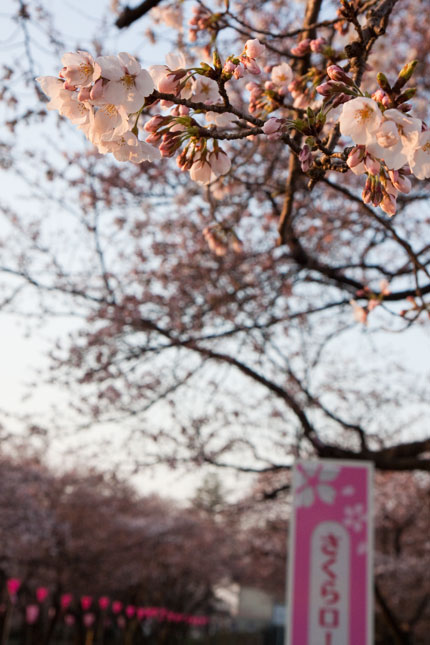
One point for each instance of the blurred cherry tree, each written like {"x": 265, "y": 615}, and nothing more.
{"x": 85, "y": 551}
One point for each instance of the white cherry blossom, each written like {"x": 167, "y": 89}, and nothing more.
{"x": 78, "y": 112}
{"x": 128, "y": 84}
{"x": 53, "y": 87}
{"x": 171, "y": 16}
{"x": 282, "y": 75}
{"x": 220, "y": 120}
{"x": 396, "y": 139}
{"x": 108, "y": 122}
{"x": 360, "y": 119}
{"x": 128, "y": 147}
{"x": 163, "y": 78}
{"x": 80, "y": 69}
{"x": 254, "y": 48}
{"x": 176, "y": 60}
{"x": 201, "y": 171}
{"x": 205, "y": 90}
{"x": 409, "y": 127}
{"x": 219, "y": 162}
{"x": 420, "y": 160}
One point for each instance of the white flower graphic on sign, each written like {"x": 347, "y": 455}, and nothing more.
{"x": 362, "y": 548}
{"x": 348, "y": 490}
{"x": 355, "y": 517}
{"x": 310, "y": 483}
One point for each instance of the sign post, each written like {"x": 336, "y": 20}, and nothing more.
{"x": 330, "y": 567}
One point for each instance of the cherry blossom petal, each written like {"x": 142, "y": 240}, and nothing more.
{"x": 129, "y": 63}
{"x": 144, "y": 83}
{"x": 111, "y": 67}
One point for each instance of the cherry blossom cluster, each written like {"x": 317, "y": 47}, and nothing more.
{"x": 104, "y": 98}
{"x": 390, "y": 145}
{"x": 107, "y": 96}
{"x": 100, "y": 97}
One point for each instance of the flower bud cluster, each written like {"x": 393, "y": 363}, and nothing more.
{"x": 307, "y": 45}
{"x": 170, "y": 15}
{"x": 273, "y": 127}
{"x": 200, "y": 20}
{"x": 170, "y": 132}
{"x": 246, "y": 62}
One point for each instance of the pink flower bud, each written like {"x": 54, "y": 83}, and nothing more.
{"x": 403, "y": 184}
{"x": 250, "y": 65}
{"x": 366, "y": 196}
{"x": 229, "y": 67}
{"x": 272, "y": 125}
{"x": 317, "y": 45}
{"x": 154, "y": 138}
{"x": 170, "y": 143}
{"x": 168, "y": 84}
{"x": 372, "y": 165}
{"x": 388, "y": 204}
{"x": 141, "y": 613}
{"x": 154, "y": 123}
{"x": 302, "y": 48}
{"x": 381, "y": 97}
{"x": 336, "y": 73}
{"x": 356, "y": 156}
{"x": 393, "y": 175}
{"x": 116, "y": 606}
{"x": 305, "y": 158}
{"x": 377, "y": 195}
{"x": 97, "y": 90}
{"x": 325, "y": 89}
{"x": 84, "y": 94}
{"x": 219, "y": 162}
{"x": 341, "y": 99}
{"x": 238, "y": 72}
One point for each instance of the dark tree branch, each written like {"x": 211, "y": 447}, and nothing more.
{"x": 402, "y": 638}
{"x": 129, "y": 15}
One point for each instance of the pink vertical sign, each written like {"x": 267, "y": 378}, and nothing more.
{"x": 330, "y": 584}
